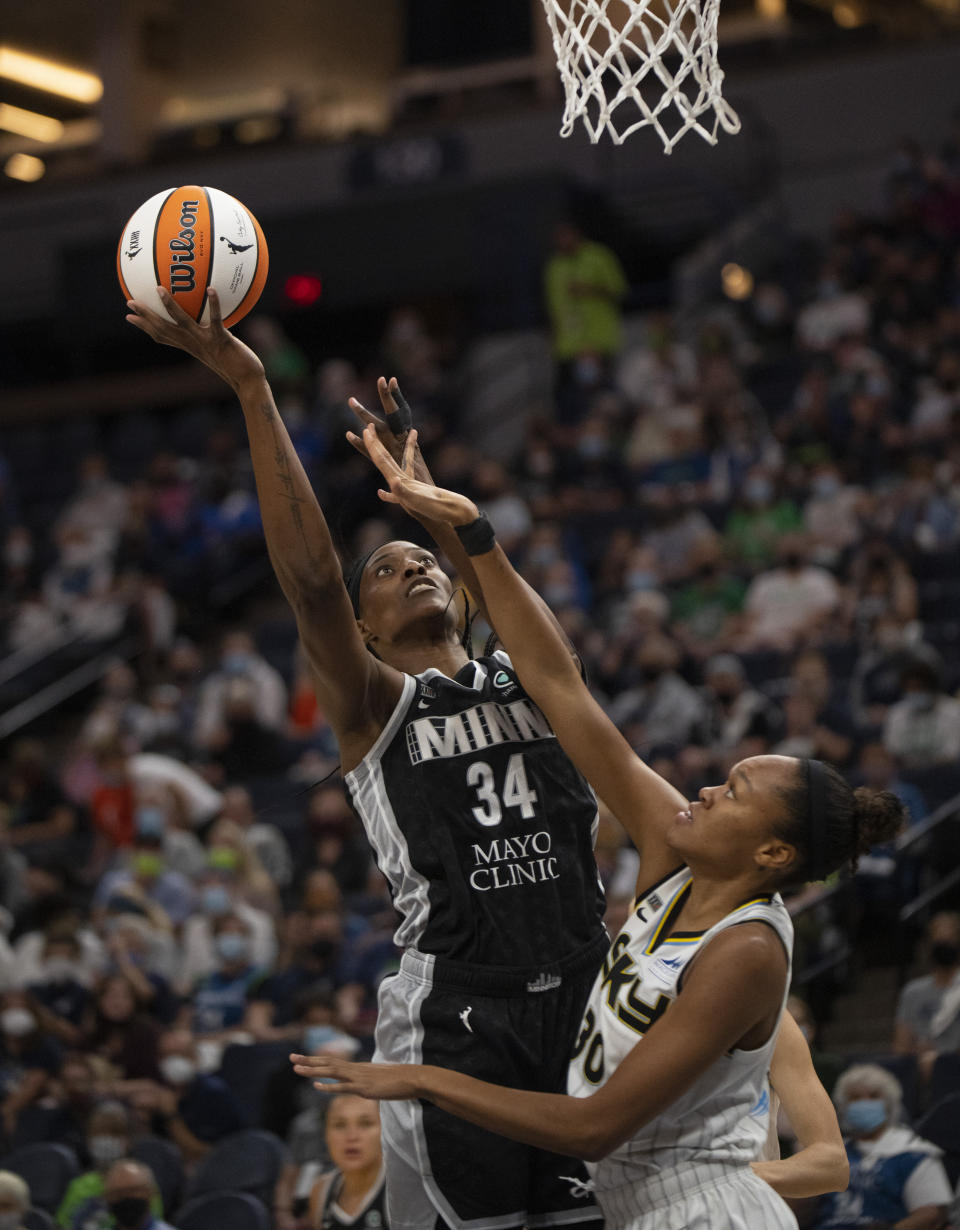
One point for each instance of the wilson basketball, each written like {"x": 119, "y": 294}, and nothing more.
{"x": 189, "y": 239}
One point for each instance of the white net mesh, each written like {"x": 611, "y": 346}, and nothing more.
{"x": 653, "y": 62}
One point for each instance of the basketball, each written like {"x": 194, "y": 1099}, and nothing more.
{"x": 189, "y": 239}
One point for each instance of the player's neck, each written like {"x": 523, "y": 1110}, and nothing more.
{"x": 712, "y": 899}
{"x": 412, "y": 657}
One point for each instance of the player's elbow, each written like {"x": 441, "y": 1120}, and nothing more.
{"x": 598, "y": 1139}
{"x": 836, "y": 1169}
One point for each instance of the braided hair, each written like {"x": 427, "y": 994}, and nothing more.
{"x": 830, "y": 823}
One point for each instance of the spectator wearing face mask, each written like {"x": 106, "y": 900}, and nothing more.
{"x": 832, "y": 514}
{"x": 923, "y": 728}
{"x": 315, "y": 1023}
{"x": 53, "y": 915}
{"x": 219, "y": 1000}
{"x": 305, "y": 1132}
{"x": 131, "y": 1197}
{"x": 889, "y": 648}
{"x": 788, "y": 604}
{"x": 228, "y": 850}
{"x": 735, "y": 712}
{"x": 661, "y": 707}
{"x": 220, "y": 896}
{"x": 239, "y": 660}
{"x": 108, "y": 1139}
{"x": 14, "y": 1200}
{"x": 759, "y": 520}
{"x": 264, "y": 840}
{"x": 928, "y": 1011}
{"x": 584, "y": 286}
{"x": 896, "y": 1178}
{"x": 62, "y": 1116}
{"x": 147, "y": 881}
{"x": 196, "y": 1109}
{"x": 60, "y": 990}
{"x": 158, "y": 816}
{"x": 142, "y": 955}
{"x": 29, "y": 1058}
{"x": 327, "y": 947}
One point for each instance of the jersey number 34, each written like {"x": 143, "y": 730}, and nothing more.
{"x": 515, "y": 792}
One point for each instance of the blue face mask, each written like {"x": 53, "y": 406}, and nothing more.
{"x": 150, "y": 821}
{"x": 215, "y": 900}
{"x": 232, "y": 946}
{"x": 865, "y": 1115}
{"x": 236, "y": 663}
{"x": 315, "y": 1036}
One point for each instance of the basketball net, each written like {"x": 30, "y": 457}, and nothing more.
{"x": 653, "y": 62}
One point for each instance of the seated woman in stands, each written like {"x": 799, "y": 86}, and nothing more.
{"x": 896, "y": 1177}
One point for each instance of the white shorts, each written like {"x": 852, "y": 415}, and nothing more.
{"x": 742, "y": 1202}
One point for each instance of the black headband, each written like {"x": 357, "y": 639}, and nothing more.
{"x": 817, "y": 852}
{"x": 353, "y": 579}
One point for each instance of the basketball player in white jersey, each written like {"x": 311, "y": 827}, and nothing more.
{"x": 478, "y": 819}
{"x": 680, "y": 1028}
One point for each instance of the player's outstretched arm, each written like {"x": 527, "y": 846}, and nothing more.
{"x": 722, "y": 1002}
{"x": 820, "y": 1165}
{"x": 640, "y": 799}
{"x": 352, "y": 685}
{"x": 442, "y": 533}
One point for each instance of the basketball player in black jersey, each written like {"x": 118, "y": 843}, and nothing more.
{"x": 479, "y": 821}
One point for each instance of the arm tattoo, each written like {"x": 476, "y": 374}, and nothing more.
{"x": 288, "y": 492}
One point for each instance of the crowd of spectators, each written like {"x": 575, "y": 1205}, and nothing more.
{"x": 747, "y": 524}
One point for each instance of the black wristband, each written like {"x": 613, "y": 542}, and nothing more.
{"x": 477, "y": 537}
{"x": 400, "y": 420}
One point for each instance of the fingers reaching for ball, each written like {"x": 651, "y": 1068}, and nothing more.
{"x": 211, "y": 343}
{"x": 379, "y": 1081}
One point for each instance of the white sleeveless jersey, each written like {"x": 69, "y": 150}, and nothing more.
{"x": 718, "y": 1126}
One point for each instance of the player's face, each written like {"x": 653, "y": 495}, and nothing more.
{"x": 728, "y": 827}
{"x": 403, "y": 585}
{"x": 353, "y": 1133}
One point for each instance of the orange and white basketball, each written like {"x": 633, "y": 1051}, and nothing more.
{"x": 189, "y": 239}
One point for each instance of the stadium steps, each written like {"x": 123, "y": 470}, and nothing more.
{"x": 507, "y": 380}
{"x": 862, "y": 1018}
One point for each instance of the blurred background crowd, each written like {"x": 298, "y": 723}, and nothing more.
{"x": 740, "y": 494}
{"x": 748, "y": 522}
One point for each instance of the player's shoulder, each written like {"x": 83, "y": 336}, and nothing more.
{"x": 751, "y": 946}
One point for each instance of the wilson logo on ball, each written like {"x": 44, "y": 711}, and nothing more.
{"x": 182, "y": 272}
{"x": 180, "y": 228}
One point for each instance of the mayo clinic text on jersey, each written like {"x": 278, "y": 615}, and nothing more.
{"x": 481, "y": 726}
{"x": 507, "y": 862}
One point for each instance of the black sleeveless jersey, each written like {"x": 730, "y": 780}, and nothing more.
{"x": 479, "y": 821}
{"x": 372, "y": 1217}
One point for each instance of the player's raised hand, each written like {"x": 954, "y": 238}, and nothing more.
{"x": 416, "y": 497}
{"x": 379, "y": 1081}
{"x": 215, "y": 346}
{"x": 392, "y": 430}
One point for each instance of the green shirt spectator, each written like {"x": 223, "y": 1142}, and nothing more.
{"x": 584, "y": 287}
{"x": 704, "y": 605}
{"x": 85, "y": 1195}
{"x": 751, "y": 534}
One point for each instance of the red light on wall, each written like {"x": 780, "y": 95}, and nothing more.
{"x": 303, "y": 289}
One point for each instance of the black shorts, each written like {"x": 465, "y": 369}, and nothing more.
{"x": 508, "y": 1028}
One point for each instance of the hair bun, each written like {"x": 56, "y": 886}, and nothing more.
{"x": 878, "y": 816}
